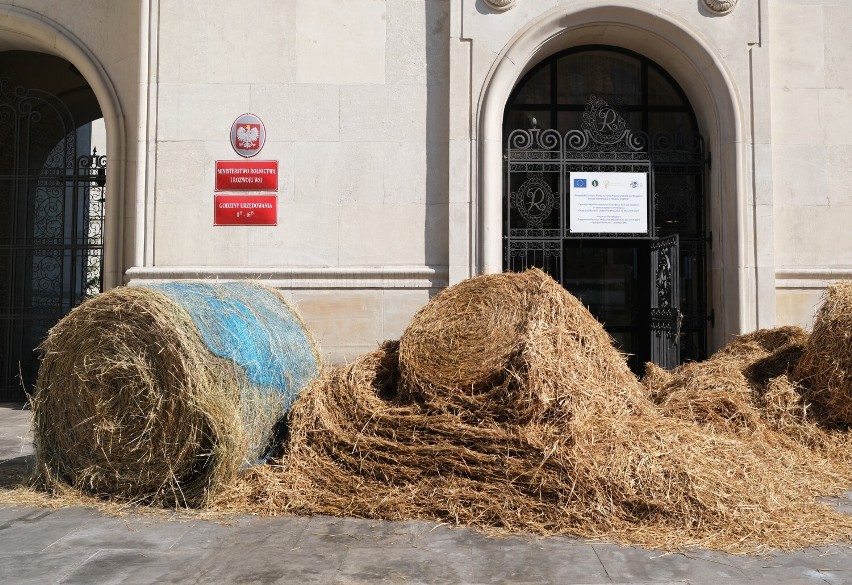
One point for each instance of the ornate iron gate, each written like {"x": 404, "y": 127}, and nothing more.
{"x": 538, "y": 230}
{"x": 666, "y": 317}
{"x": 51, "y": 225}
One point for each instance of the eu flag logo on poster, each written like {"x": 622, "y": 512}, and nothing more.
{"x": 579, "y": 183}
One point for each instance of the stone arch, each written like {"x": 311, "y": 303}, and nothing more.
{"x": 710, "y": 90}
{"x": 27, "y": 30}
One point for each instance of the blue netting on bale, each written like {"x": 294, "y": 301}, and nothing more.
{"x": 164, "y": 392}
{"x": 253, "y": 327}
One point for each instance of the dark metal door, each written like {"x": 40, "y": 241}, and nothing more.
{"x": 666, "y": 317}
{"x": 51, "y": 225}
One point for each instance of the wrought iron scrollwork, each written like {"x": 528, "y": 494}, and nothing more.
{"x": 604, "y": 123}
{"x": 92, "y": 178}
{"x": 636, "y": 120}
{"x": 534, "y": 200}
{"x": 535, "y": 166}
{"x": 666, "y": 317}
{"x": 604, "y": 131}
{"x": 664, "y": 279}
{"x": 537, "y": 143}
{"x": 547, "y": 248}
{"x": 93, "y": 165}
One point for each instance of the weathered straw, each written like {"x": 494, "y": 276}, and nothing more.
{"x": 825, "y": 369}
{"x": 131, "y": 404}
{"x": 556, "y": 436}
{"x": 727, "y": 391}
{"x": 516, "y": 342}
{"x": 533, "y": 424}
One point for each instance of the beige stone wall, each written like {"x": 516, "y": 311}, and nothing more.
{"x": 349, "y": 323}
{"x": 354, "y": 99}
{"x": 384, "y": 116}
{"x": 107, "y": 28}
{"x": 386, "y": 122}
{"x": 811, "y": 81}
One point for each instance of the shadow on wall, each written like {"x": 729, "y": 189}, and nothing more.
{"x": 483, "y": 8}
{"x": 437, "y": 36}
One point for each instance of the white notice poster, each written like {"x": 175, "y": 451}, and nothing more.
{"x": 608, "y": 203}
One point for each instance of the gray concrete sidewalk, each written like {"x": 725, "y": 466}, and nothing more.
{"x": 76, "y": 545}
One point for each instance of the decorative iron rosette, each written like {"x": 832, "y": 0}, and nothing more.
{"x": 534, "y": 200}
{"x": 500, "y": 5}
{"x": 603, "y": 122}
{"x": 721, "y": 7}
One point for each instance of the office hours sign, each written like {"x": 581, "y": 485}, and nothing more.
{"x": 608, "y": 203}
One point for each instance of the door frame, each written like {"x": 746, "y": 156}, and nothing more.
{"x": 24, "y": 29}
{"x": 734, "y": 291}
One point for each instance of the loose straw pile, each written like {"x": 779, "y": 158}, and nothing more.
{"x": 506, "y": 406}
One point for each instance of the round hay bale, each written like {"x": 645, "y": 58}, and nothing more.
{"x": 163, "y": 394}
{"x": 825, "y": 368}
{"x": 468, "y": 333}
{"x": 509, "y": 344}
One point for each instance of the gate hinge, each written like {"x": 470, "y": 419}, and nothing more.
{"x": 709, "y": 239}
{"x": 709, "y": 160}
{"x": 711, "y": 318}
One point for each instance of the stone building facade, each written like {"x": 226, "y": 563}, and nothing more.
{"x": 391, "y": 121}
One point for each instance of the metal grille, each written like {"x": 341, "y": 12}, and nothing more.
{"x": 51, "y": 234}
{"x": 537, "y": 166}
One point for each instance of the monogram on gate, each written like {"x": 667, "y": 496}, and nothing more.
{"x": 534, "y": 200}
{"x": 603, "y": 122}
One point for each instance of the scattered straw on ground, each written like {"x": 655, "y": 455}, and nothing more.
{"x": 748, "y": 388}
{"x": 505, "y": 406}
{"x": 537, "y": 425}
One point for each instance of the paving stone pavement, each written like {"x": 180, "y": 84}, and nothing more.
{"x": 83, "y": 546}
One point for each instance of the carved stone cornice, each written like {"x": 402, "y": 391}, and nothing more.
{"x": 500, "y": 5}
{"x": 721, "y": 6}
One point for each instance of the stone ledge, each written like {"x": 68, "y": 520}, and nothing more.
{"x": 810, "y": 277}
{"x": 395, "y": 277}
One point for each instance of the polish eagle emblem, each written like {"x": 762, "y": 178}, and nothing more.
{"x": 248, "y": 135}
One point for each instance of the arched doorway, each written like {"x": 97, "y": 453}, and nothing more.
{"x": 52, "y": 180}
{"x": 604, "y": 188}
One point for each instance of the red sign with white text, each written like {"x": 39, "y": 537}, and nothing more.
{"x": 246, "y": 175}
{"x": 246, "y": 210}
